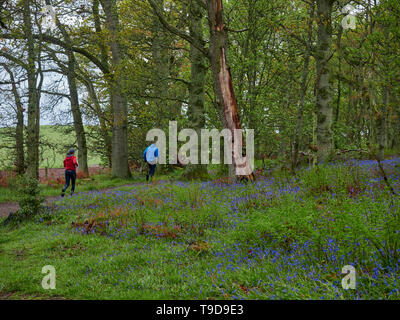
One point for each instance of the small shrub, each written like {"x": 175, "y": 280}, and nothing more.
{"x": 30, "y": 201}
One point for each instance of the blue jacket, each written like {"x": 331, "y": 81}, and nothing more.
{"x": 150, "y": 154}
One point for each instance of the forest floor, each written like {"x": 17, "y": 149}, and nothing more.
{"x": 52, "y": 185}
{"x": 7, "y": 207}
{"x": 281, "y": 237}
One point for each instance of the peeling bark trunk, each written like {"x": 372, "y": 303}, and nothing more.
{"x": 223, "y": 86}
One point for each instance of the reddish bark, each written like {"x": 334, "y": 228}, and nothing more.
{"x": 223, "y": 85}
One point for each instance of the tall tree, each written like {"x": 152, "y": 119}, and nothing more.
{"x": 303, "y": 88}
{"x": 161, "y": 65}
{"x": 19, "y": 129}
{"x": 33, "y": 104}
{"x": 120, "y": 167}
{"x": 198, "y": 70}
{"x": 223, "y": 86}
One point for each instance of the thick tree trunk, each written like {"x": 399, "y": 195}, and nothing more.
{"x": 196, "y": 110}
{"x": 104, "y": 60}
{"x": 223, "y": 86}
{"x": 33, "y": 103}
{"x": 120, "y": 167}
{"x": 323, "y": 81}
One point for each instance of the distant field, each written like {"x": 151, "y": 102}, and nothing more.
{"x": 56, "y": 142}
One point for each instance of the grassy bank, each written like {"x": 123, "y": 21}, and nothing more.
{"x": 279, "y": 238}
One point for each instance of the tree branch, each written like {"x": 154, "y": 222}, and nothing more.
{"x": 195, "y": 42}
{"x": 53, "y": 40}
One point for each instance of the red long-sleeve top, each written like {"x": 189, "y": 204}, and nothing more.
{"x": 70, "y": 163}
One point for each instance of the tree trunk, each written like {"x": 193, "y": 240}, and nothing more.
{"x": 33, "y": 103}
{"x": 300, "y": 112}
{"x": 383, "y": 122}
{"x": 360, "y": 103}
{"x": 77, "y": 116}
{"x": 303, "y": 91}
{"x": 383, "y": 126}
{"x": 339, "y": 84}
{"x": 323, "y": 81}
{"x": 120, "y": 167}
{"x": 223, "y": 86}
{"x": 104, "y": 60}
{"x": 196, "y": 110}
{"x": 19, "y": 129}
{"x": 161, "y": 69}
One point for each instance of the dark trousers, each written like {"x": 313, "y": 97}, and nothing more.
{"x": 152, "y": 169}
{"x": 70, "y": 175}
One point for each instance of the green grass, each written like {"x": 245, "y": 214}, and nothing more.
{"x": 94, "y": 183}
{"x": 273, "y": 239}
{"x": 97, "y": 182}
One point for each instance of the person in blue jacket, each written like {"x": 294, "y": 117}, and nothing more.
{"x": 150, "y": 155}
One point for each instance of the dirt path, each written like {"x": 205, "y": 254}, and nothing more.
{"x": 8, "y": 207}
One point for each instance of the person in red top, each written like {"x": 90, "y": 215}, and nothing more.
{"x": 70, "y": 165}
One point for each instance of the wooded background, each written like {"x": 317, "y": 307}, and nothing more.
{"x": 287, "y": 69}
